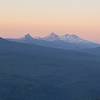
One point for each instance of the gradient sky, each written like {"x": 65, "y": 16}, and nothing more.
{"x": 40, "y": 17}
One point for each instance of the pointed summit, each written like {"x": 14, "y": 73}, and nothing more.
{"x": 28, "y": 37}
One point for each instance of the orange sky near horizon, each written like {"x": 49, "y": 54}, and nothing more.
{"x": 39, "y": 18}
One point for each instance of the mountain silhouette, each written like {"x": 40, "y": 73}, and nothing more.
{"x": 66, "y": 41}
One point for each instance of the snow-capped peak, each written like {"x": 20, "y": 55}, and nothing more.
{"x": 72, "y": 38}
{"x": 68, "y": 38}
{"x": 52, "y": 37}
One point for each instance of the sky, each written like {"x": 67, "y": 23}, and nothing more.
{"x": 41, "y": 17}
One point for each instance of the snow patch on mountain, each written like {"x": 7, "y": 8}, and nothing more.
{"x": 69, "y": 38}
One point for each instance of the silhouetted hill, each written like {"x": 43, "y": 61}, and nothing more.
{"x": 32, "y": 72}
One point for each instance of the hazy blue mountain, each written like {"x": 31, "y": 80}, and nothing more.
{"x": 64, "y": 42}
{"x": 32, "y": 72}
{"x": 95, "y": 51}
{"x": 69, "y": 38}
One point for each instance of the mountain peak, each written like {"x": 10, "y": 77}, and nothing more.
{"x": 52, "y": 37}
{"x": 53, "y": 34}
{"x": 72, "y": 38}
{"x": 28, "y": 37}
{"x": 2, "y": 39}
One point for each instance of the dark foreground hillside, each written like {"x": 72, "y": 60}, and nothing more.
{"x": 31, "y": 72}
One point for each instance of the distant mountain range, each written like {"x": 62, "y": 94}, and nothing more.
{"x": 64, "y": 42}
{"x": 69, "y": 38}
